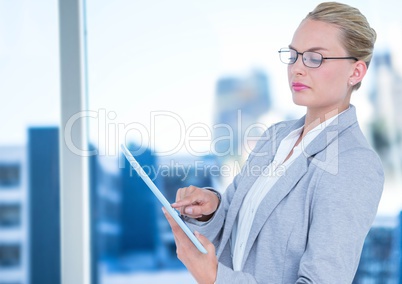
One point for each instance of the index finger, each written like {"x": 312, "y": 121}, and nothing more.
{"x": 183, "y": 202}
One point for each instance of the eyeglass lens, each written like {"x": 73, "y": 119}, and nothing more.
{"x": 310, "y": 59}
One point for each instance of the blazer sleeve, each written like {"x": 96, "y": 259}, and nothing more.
{"x": 343, "y": 208}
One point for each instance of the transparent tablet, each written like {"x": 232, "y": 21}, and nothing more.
{"x": 137, "y": 167}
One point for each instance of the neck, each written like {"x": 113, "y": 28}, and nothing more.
{"x": 315, "y": 118}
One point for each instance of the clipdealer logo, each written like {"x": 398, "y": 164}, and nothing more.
{"x": 237, "y": 138}
{"x": 110, "y": 134}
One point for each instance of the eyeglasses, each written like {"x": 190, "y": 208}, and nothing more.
{"x": 311, "y": 59}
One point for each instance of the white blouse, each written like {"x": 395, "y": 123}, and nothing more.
{"x": 263, "y": 185}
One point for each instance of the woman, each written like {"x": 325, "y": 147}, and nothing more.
{"x": 301, "y": 207}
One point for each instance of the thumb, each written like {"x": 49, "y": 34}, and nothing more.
{"x": 204, "y": 241}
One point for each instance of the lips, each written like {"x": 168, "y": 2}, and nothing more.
{"x": 299, "y": 87}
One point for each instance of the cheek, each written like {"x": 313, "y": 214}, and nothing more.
{"x": 331, "y": 84}
{"x": 335, "y": 76}
{"x": 289, "y": 74}
{"x": 329, "y": 78}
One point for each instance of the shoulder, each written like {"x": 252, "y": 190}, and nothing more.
{"x": 353, "y": 148}
{"x": 349, "y": 164}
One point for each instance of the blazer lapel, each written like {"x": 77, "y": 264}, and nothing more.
{"x": 243, "y": 187}
{"x": 278, "y": 192}
{"x": 250, "y": 174}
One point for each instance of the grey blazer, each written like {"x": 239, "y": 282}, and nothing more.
{"x": 311, "y": 226}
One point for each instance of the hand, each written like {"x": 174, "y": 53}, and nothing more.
{"x": 203, "y": 267}
{"x": 196, "y": 202}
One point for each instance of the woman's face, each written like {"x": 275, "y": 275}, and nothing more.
{"x": 327, "y": 87}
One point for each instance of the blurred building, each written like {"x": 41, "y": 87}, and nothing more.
{"x": 44, "y": 205}
{"x": 398, "y": 249}
{"x": 239, "y": 103}
{"x": 183, "y": 171}
{"x": 106, "y": 228}
{"x": 380, "y": 259}
{"x": 386, "y": 127}
{"x": 141, "y": 241}
{"x": 14, "y": 245}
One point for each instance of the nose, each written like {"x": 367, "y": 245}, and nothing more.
{"x": 298, "y": 67}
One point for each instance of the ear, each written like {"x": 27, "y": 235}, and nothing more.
{"x": 359, "y": 71}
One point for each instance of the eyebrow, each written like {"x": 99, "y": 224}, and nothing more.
{"x": 310, "y": 49}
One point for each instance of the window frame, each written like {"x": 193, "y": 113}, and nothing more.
{"x": 74, "y": 180}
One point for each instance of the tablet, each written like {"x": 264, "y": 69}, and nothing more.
{"x": 136, "y": 166}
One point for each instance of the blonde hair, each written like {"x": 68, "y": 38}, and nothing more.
{"x": 358, "y": 37}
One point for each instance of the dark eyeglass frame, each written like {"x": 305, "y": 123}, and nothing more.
{"x": 305, "y": 59}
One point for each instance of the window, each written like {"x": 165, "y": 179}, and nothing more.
{"x": 10, "y": 255}
{"x": 10, "y": 215}
{"x": 10, "y": 175}
{"x": 169, "y": 77}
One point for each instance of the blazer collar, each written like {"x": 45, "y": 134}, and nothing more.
{"x": 332, "y": 131}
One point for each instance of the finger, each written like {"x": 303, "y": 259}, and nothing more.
{"x": 183, "y": 242}
{"x": 189, "y": 211}
{"x": 187, "y": 195}
{"x": 184, "y": 202}
{"x": 207, "y": 244}
{"x": 184, "y": 192}
{"x": 180, "y": 194}
{"x": 177, "y": 231}
{"x": 171, "y": 223}
{"x": 193, "y": 211}
{"x": 203, "y": 240}
{"x": 178, "y": 198}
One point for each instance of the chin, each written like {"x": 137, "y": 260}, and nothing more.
{"x": 297, "y": 100}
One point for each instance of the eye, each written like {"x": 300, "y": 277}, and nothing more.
{"x": 288, "y": 56}
{"x": 313, "y": 58}
{"x": 292, "y": 56}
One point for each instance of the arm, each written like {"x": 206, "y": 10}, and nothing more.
{"x": 343, "y": 208}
